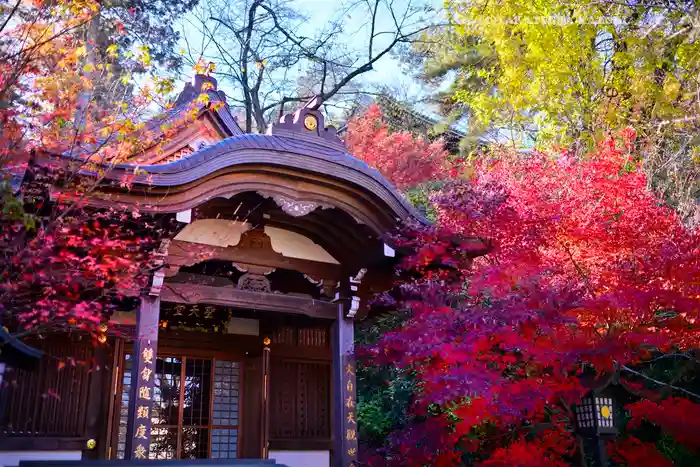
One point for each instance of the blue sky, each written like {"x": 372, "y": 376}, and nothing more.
{"x": 387, "y": 70}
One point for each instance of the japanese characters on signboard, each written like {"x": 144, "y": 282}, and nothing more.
{"x": 202, "y": 318}
{"x": 350, "y": 417}
{"x": 142, "y": 421}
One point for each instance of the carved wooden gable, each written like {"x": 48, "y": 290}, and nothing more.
{"x": 255, "y": 239}
{"x": 179, "y": 134}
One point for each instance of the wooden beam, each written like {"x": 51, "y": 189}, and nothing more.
{"x": 138, "y": 434}
{"x": 301, "y": 444}
{"x": 183, "y": 253}
{"x": 42, "y": 443}
{"x": 236, "y": 298}
{"x": 333, "y": 229}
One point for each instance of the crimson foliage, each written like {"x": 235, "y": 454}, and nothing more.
{"x": 583, "y": 267}
{"x": 406, "y": 160}
{"x": 67, "y": 266}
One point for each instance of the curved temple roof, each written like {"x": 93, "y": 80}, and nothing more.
{"x": 298, "y": 159}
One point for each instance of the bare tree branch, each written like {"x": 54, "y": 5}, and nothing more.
{"x": 660, "y": 383}
{"x": 10, "y": 15}
{"x": 265, "y": 50}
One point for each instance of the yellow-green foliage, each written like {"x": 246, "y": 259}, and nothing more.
{"x": 570, "y": 69}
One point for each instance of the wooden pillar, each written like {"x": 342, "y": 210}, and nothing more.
{"x": 265, "y": 413}
{"x": 251, "y": 425}
{"x": 344, "y": 391}
{"x": 138, "y": 434}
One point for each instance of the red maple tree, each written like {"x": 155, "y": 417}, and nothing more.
{"x": 404, "y": 159}
{"x": 577, "y": 266}
{"x": 66, "y": 117}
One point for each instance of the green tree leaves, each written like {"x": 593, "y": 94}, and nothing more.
{"x": 569, "y": 74}
{"x": 568, "y": 69}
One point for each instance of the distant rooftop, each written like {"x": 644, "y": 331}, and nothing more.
{"x": 402, "y": 117}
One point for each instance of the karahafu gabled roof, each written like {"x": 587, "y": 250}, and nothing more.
{"x": 299, "y": 158}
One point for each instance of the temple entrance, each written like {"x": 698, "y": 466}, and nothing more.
{"x": 195, "y": 412}
{"x": 257, "y": 248}
{"x": 208, "y": 397}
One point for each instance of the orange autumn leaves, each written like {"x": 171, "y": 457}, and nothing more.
{"x": 404, "y": 159}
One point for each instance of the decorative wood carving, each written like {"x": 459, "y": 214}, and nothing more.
{"x": 254, "y": 283}
{"x": 355, "y": 282}
{"x": 161, "y": 253}
{"x": 307, "y": 120}
{"x": 329, "y": 287}
{"x": 157, "y": 282}
{"x": 255, "y": 239}
{"x": 254, "y": 268}
{"x": 315, "y": 282}
{"x": 236, "y": 298}
{"x": 295, "y": 208}
{"x": 177, "y": 155}
{"x": 250, "y": 281}
{"x": 354, "y": 306}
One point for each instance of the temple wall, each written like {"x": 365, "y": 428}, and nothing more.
{"x": 302, "y": 458}
{"x": 49, "y": 411}
{"x": 12, "y": 458}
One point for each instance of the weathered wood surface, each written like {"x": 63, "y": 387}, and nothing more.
{"x": 187, "y": 254}
{"x": 273, "y": 165}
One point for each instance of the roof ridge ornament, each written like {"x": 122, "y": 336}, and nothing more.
{"x": 307, "y": 121}
{"x": 200, "y": 83}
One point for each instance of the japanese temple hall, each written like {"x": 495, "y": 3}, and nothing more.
{"x": 241, "y": 345}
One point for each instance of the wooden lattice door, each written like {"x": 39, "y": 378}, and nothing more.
{"x": 195, "y": 408}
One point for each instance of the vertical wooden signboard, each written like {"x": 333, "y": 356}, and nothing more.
{"x": 138, "y": 435}
{"x": 345, "y": 393}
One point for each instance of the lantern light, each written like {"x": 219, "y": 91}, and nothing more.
{"x": 595, "y": 423}
{"x": 595, "y": 415}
